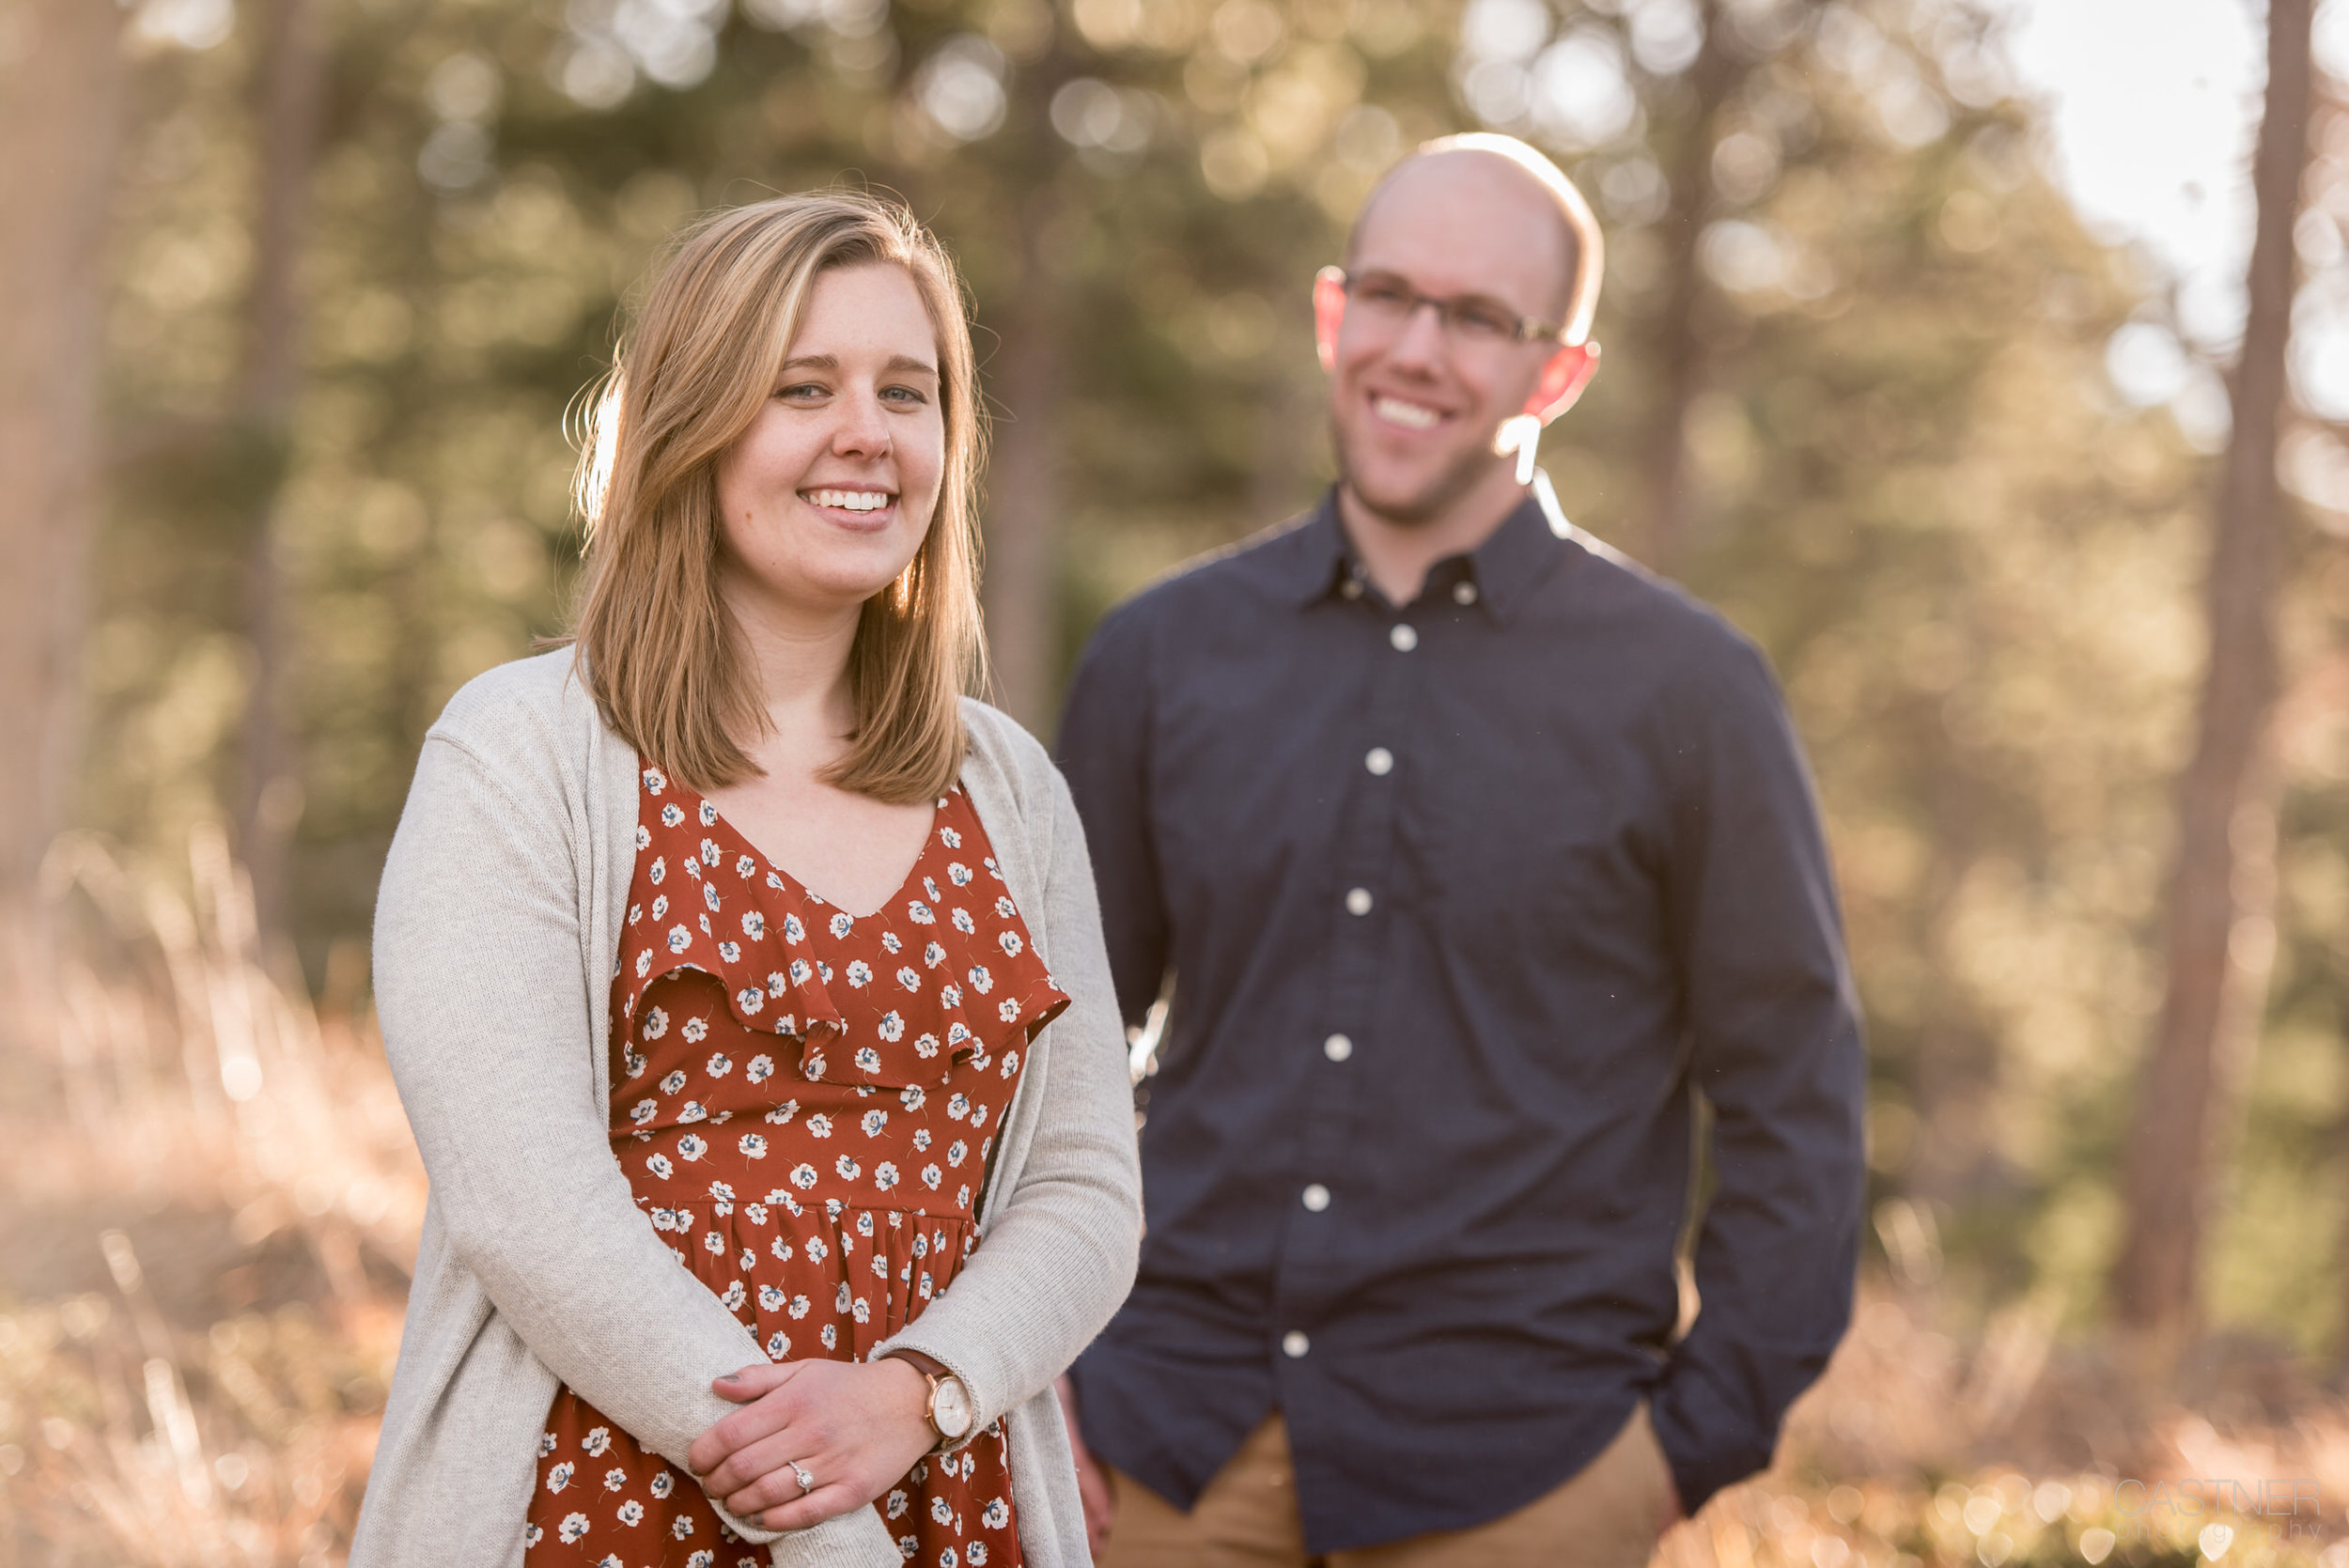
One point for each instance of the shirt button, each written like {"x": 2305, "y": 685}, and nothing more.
{"x": 1464, "y": 592}
{"x": 1357, "y": 901}
{"x": 1380, "y": 761}
{"x": 1405, "y": 639}
{"x": 1337, "y": 1048}
{"x": 1294, "y": 1344}
{"x": 1316, "y": 1198}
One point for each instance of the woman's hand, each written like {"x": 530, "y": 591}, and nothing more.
{"x": 855, "y": 1427}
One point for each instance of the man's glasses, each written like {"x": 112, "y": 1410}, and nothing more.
{"x": 1468, "y": 319}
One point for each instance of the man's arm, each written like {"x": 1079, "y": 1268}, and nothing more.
{"x": 1104, "y": 752}
{"x": 1775, "y": 1047}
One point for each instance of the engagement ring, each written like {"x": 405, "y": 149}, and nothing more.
{"x": 807, "y": 1482}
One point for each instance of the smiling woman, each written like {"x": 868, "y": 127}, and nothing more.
{"x": 735, "y": 938}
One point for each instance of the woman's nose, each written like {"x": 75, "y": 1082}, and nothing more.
{"x": 863, "y": 429}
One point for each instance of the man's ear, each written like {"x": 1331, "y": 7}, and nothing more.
{"x": 1564, "y": 377}
{"x": 1329, "y": 310}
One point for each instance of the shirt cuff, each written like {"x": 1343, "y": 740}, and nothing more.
{"x": 1707, "y": 1442}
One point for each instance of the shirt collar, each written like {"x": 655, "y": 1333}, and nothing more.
{"x": 1317, "y": 558}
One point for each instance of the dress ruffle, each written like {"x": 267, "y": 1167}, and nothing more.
{"x": 764, "y": 938}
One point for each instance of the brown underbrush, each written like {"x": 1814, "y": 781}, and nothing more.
{"x": 214, "y": 1203}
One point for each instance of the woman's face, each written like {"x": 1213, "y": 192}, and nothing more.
{"x": 826, "y": 497}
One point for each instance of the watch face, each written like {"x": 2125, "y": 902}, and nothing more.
{"x": 950, "y": 1407}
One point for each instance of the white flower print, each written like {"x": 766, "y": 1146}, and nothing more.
{"x": 1007, "y": 1010}
{"x": 750, "y": 999}
{"x": 831, "y": 1336}
{"x": 642, "y": 1111}
{"x": 800, "y": 1305}
{"x": 815, "y": 1067}
{"x": 643, "y": 961}
{"x": 890, "y": 942}
{"x": 754, "y": 926}
{"x": 756, "y": 1212}
{"x": 951, "y": 839}
{"x": 860, "y": 972}
{"x": 560, "y": 1476}
{"x": 1009, "y": 941}
{"x": 931, "y": 1176}
{"x": 958, "y": 1106}
{"x": 941, "y": 1511}
{"x": 817, "y": 1250}
{"x": 745, "y": 867}
{"x": 800, "y": 972}
{"x": 867, "y": 1059}
{"x": 909, "y": 977}
{"x": 681, "y": 1527}
{"x": 872, "y": 1122}
{"x": 884, "y": 1177}
{"x": 709, "y": 895}
{"x": 597, "y": 1442}
{"x": 719, "y": 1066}
{"x": 864, "y": 1223}
{"x": 921, "y": 1139}
{"x": 643, "y": 836}
{"x": 926, "y": 1047}
{"x": 978, "y": 1118}
{"x": 964, "y": 924}
{"x": 722, "y": 1194}
{"x": 655, "y": 1023}
{"x": 713, "y": 1244}
{"x": 993, "y": 869}
{"x": 661, "y": 906}
{"x": 733, "y": 1296}
{"x": 659, "y": 1165}
{"x": 671, "y": 815}
{"x": 673, "y": 1080}
{"x": 658, "y": 872}
{"x": 962, "y": 1196}
{"x": 1004, "y": 908}
{"x": 752, "y": 1145}
{"x": 980, "y": 979}
{"x": 974, "y": 1553}
{"x": 911, "y": 1097}
{"x": 782, "y": 1112}
{"x": 546, "y": 1444}
{"x": 840, "y": 1302}
{"x": 761, "y": 1068}
{"x": 892, "y": 1028}
{"x": 634, "y": 1060}
{"x": 862, "y": 1312}
{"x": 819, "y": 1126}
{"x": 823, "y": 972}
{"x": 955, "y": 1152}
{"x": 1011, "y": 1064}
{"x": 690, "y": 1147}
{"x": 897, "y": 1504}
{"x": 778, "y": 1345}
{"x": 933, "y": 956}
{"x": 571, "y": 1529}
{"x": 803, "y": 1176}
{"x": 708, "y": 814}
{"x": 730, "y": 952}
{"x": 631, "y": 1512}
{"x": 950, "y": 995}
{"x": 918, "y": 913}
{"x": 997, "y": 1515}
{"x": 958, "y": 874}
{"x": 847, "y": 1167}
{"x": 709, "y": 848}
{"x": 679, "y": 939}
{"x": 840, "y": 926}
{"x": 781, "y": 1250}
{"x": 793, "y": 931}
{"x": 772, "y": 1299}
{"x": 691, "y": 1111}
{"x": 663, "y": 1484}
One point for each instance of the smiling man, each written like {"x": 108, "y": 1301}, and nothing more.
{"x": 1476, "y": 857}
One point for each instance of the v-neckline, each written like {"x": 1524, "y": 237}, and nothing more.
{"x": 930, "y": 836}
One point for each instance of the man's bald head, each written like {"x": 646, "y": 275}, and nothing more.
{"x": 1581, "y": 258}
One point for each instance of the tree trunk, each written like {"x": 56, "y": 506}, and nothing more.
{"x": 1023, "y": 490}
{"x": 61, "y": 96}
{"x": 2219, "y": 937}
{"x": 1679, "y": 350}
{"x": 287, "y": 69}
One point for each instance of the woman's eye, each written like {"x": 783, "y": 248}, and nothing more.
{"x": 906, "y": 395}
{"x": 803, "y": 390}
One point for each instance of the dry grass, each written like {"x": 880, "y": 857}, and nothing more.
{"x": 216, "y": 1201}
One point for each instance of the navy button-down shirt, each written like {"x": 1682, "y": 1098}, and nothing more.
{"x": 1461, "y": 900}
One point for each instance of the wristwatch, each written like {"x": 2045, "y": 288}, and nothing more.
{"x": 949, "y": 1411}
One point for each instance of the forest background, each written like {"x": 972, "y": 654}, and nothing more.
{"x": 296, "y": 299}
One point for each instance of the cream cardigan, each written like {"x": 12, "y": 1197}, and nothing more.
{"x": 496, "y": 933}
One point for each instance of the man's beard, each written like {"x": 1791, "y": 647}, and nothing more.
{"x": 1449, "y": 485}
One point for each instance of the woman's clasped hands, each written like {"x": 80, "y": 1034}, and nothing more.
{"x": 853, "y": 1429}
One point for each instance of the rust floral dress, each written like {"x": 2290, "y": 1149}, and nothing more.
{"x": 804, "y": 1103}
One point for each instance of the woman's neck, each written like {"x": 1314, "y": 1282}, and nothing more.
{"x": 798, "y": 665}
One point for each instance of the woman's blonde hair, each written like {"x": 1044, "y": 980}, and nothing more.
{"x": 663, "y": 658}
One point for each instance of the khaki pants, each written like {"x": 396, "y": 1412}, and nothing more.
{"x": 1606, "y": 1515}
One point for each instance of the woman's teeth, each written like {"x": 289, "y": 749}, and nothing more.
{"x": 1395, "y": 410}
{"x": 850, "y": 501}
